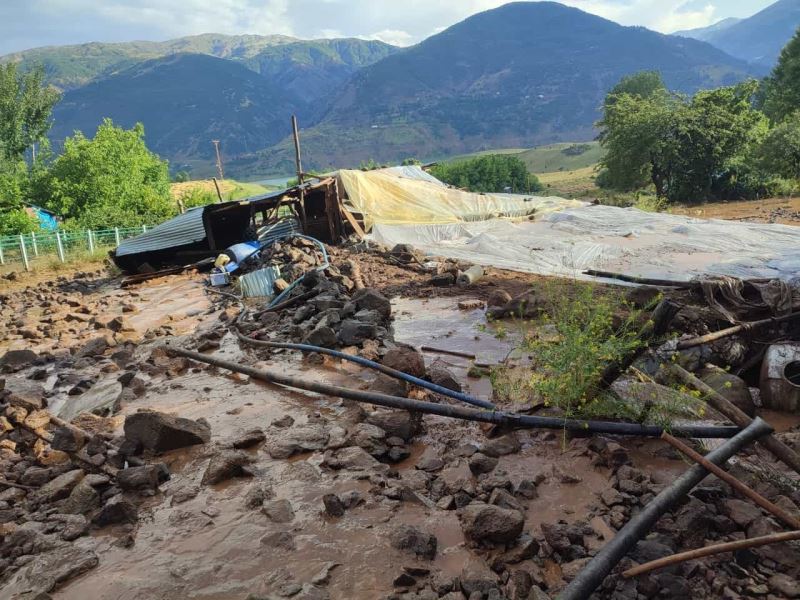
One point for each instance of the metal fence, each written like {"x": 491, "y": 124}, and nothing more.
{"x": 64, "y": 245}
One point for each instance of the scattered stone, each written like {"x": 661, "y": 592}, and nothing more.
{"x": 440, "y": 375}
{"x": 406, "y": 359}
{"x": 60, "y": 487}
{"x": 227, "y": 465}
{"x": 139, "y": 478}
{"x": 116, "y": 510}
{"x": 498, "y": 298}
{"x": 396, "y": 423}
{"x": 279, "y": 539}
{"x": 371, "y": 299}
{"x": 415, "y": 541}
{"x": 333, "y": 505}
{"x": 487, "y": 523}
{"x": 279, "y": 511}
{"x": 501, "y": 446}
{"x": 480, "y": 463}
{"x": 159, "y": 432}
{"x": 730, "y": 386}
{"x": 249, "y": 439}
{"x": 256, "y": 496}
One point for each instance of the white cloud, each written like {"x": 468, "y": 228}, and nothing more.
{"x": 396, "y": 37}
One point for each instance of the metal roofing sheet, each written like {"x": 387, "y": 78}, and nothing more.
{"x": 184, "y": 229}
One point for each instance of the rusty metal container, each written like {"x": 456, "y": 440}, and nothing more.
{"x": 780, "y": 377}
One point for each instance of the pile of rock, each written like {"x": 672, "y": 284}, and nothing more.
{"x": 332, "y": 317}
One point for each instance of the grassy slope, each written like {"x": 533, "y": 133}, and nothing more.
{"x": 230, "y": 188}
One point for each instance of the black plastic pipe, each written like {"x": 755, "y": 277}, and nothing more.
{"x": 626, "y": 538}
{"x": 460, "y": 412}
{"x": 370, "y": 364}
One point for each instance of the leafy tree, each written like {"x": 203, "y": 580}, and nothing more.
{"x": 779, "y": 154}
{"x": 689, "y": 149}
{"x": 25, "y": 108}
{"x": 644, "y": 84}
{"x": 781, "y": 94}
{"x": 110, "y": 180}
{"x": 410, "y": 162}
{"x": 181, "y": 177}
{"x": 489, "y": 173}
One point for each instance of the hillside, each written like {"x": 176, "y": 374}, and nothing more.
{"x": 704, "y": 33}
{"x": 757, "y": 39}
{"x": 520, "y": 75}
{"x": 69, "y": 67}
{"x": 184, "y": 101}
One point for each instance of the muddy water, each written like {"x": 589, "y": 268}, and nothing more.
{"x": 209, "y": 546}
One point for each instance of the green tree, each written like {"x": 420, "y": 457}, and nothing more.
{"x": 181, "y": 177}
{"x": 489, "y": 173}
{"x": 26, "y": 105}
{"x": 779, "y": 154}
{"x": 781, "y": 94}
{"x": 644, "y": 84}
{"x": 110, "y": 180}
{"x": 689, "y": 149}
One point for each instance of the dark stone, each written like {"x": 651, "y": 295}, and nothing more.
{"x": 323, "y": 337}
{"x": 15, "y": 360}
{"x": 487, "y": 523}
{"x": 333, "y": 505}
{"x": 372, "y": 299}
{"x": 354, "y": 333}
{"x": 731, "y": 387}
{"x": 159, "y": 432}
{"x": 406, "y": 359}
{"x": 67, "y": 439}
{"x": 116, "y": 510}
{"x": 227, "y": 465}
{"x": 249, "y": 438}
{"x": 440, "y": 375}
{"x": 480, "y": 463}
{"x": 443, "y": 280}
{"x": 415, "y": 541}
{"x": 138, "y": 478}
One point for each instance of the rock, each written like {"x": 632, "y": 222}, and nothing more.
{"x": 15, "y": 360}
{"x": 500, "y": 497}
{"x": 279, "y": 511}
{"x": 67, "y": 439}
{"x": 279, "y": 539}
{"x": 742, "y": 513}
{"x": 404, "y": 580}
{"x": 481, "y": 463}
{"x": 354, "y": 333}
{"x": 406, "y": 359}
{"x": 443, "y": 279}
{"x": 60, "y": 487}
{"x": 227, "y": 465}
{"x": 81, "y": 500}
{"x": 249, "y": 438}
{"x": 498, "y": 298}
{"x": 396, "y": 423}
{"x": 352, "y": 458}
{"x": 284, "y": 422}
{"x": 372, "y": 299}
{"x": 323, "y": 336}
{"x": 116, "y": 510}
{"x": 333, "y": 505}
{"x": 160, "y": 432}
{"x": 74, "y": 526}
{"x": 305, "y": 438}
{"x": 383, "y": 384}
{"x": 731, "y": 387}
{"x": 430, "y": 461}
{"x": 138, "y": 478}
{"x": 256, "y": 496}
{"x": 94, "y": 347}
{"x": 369, "y": 437}
{"x": 487, "y": 523}
{"x": 50, "y": 569}
{"x": 477, "y": 578}
{"x": 501, "y": 446}
{"x": 415, "y": 541}
{"x": 440, "y": 375}
{"x": 784, "y": 585}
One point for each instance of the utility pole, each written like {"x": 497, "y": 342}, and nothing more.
{"x": 300, "y": 178}
{"x": 219, "y": 160}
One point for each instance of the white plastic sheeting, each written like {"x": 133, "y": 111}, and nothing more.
{"x": 621, "y": 240}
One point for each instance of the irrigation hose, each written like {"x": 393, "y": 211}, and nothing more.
{"x": 459, "y": 412}
{"x": 372, "y": 365}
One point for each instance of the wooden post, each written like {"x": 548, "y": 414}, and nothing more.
{"x": 24, "y": 252}
{"x": 91, "y": 241}
{"x": 60, "y": 247}
{"x": 34, "y": 244}
{"x": 778, "y": 449}
{"x": 216, "y": 185}
{"x": 299, "y": 166}
{"x": 2, "y": 258}
{"x": 116, "y": 235}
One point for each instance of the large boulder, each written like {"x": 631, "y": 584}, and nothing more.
{"x": 160, "y": 432}
{"x": 488, "y": 523}
{"x": 372, "y": 299}
{"x": 396, "y": 423}
{"x": 60, "y": 487}
{"x": 14, "y": 360}
{"x": 227, "y": 465}
{"x": 731, "y": 387}
{"x": 406, "y": 359}
{"x": 415, "y": 541}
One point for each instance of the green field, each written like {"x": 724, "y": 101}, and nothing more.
{"x": 569, "y": 156}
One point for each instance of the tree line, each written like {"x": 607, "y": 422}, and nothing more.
{"x": 735, "y": 142}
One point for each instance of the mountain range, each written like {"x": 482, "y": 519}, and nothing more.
{"x": 523, "y": 74}
{"x": 757, "y": 39}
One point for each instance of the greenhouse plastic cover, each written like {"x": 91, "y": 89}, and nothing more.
{"x": 564, "y": 237}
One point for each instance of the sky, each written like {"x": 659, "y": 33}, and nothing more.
{"x": 32, "y": 23}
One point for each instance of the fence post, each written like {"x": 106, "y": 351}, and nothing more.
{"x": 2, "y": 258}
{"x": 91, "y": 241}
{"x": 60, "y": 247}
{"x": 116, "y": 235}
{"x": 35, "y": 245}
{"x": 24, "y": 252}
{"x": 144, "y": 228}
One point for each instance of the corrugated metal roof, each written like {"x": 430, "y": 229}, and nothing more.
{"x": 283, "y": 228}
{"x": 184, "y": 229}
{"x": 259, "y": 284}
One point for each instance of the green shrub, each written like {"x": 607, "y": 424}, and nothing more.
{"x": 490, "y": 173}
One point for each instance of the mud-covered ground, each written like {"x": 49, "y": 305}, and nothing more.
{"x": 300, "y": 495}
